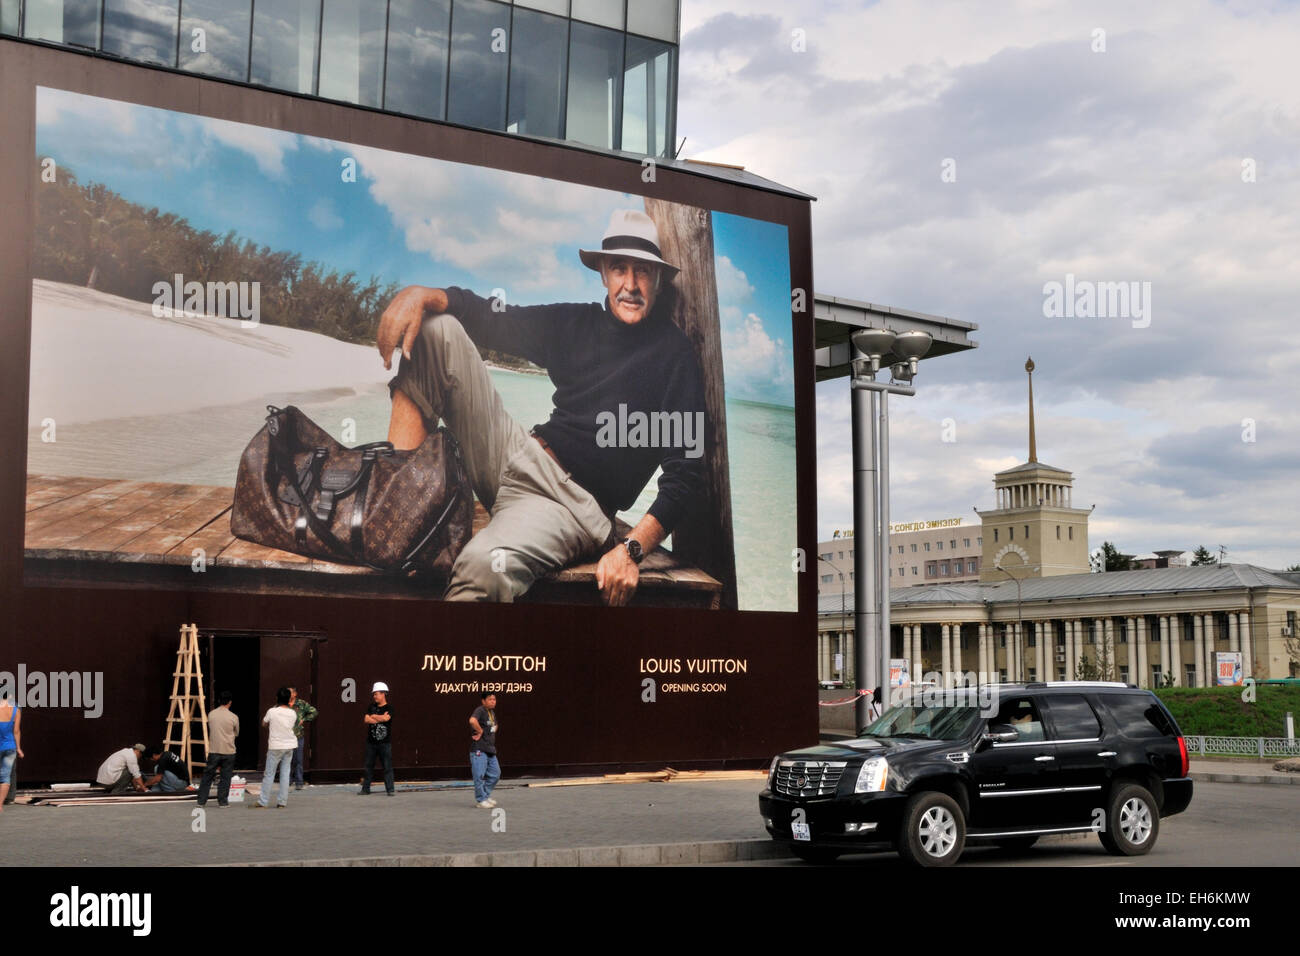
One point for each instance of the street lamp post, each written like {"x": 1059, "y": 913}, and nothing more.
{"x": 1020, "y": 624}
{"x": 870, "y": 404}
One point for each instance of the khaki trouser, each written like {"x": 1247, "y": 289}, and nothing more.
{"x": 541, "y": 518}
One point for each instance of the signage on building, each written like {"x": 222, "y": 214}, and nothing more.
{"x": 902, "y": 526}
{"x": 1228, "y": 670}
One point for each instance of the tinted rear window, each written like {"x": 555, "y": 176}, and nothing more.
{"x": 1138, "y": 715}
{"x": 1073, "y": 718}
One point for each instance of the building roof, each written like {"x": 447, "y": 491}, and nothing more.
{"x": 1214, "y": 577}
{"x": 1033, "y": 466}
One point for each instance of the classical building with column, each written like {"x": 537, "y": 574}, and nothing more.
{"x": 1037, "y": 613}
{"x": 1147, "y": 624}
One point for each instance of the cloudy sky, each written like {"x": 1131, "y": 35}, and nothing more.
{"x": 1112, "y": 141}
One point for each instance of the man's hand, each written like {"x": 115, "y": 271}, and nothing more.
{"x": 617, "y": 576}
{"x": 401, "y": 321}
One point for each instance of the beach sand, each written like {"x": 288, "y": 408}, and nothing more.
{"x": 97, "y": 356}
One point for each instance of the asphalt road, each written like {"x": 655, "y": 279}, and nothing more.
{"x": 1227, "y": 824}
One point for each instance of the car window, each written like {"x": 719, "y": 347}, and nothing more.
{"x": 1021, "y": 714}
{"x": 1137, "y": 715}
{"x": 1073, "y": 717}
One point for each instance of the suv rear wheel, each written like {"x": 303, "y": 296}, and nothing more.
{"x": 1132, "y": 821}
{"x": 933, "y": 831}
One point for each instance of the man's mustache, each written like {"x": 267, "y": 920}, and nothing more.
{"x": 634, "y": 298}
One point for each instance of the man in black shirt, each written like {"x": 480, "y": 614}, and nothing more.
{"x": 379, "y": 738}
{"x": 483, "y": 764}
{"x": 170, "y": 775}
{"x": 629, "y": 398}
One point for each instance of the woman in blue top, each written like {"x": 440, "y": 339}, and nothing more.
{"x": 11, "y": 743}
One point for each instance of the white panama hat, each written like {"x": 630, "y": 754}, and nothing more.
{"x": 379, "y": 686}
{"x": 632, "y": 234}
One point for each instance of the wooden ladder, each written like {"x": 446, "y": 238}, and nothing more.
{"x": 188, "y": 702}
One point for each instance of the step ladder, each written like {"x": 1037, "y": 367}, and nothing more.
{"x": 187, "y": 707}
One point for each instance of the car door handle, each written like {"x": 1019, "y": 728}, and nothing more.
{"x": 1043, "y": 758}
{"x": 1106, "y": 753}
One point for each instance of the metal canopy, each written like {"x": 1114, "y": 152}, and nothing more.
{"x": 837, "y": 319}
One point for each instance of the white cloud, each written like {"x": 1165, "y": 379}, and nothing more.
{"x": 323, "y": 216}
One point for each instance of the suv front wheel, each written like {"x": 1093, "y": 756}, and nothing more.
{"x": 933, "y": 831}
{"x": 1132, "y": 821}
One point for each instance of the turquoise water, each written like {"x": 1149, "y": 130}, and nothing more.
{"x": 203, "y": 447}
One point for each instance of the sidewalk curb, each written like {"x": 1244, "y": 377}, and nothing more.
{"x": 651, "y": 854}
{"x": 1203, "y": 776}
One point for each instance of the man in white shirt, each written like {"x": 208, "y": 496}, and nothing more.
{"x": 121, "y": 771}
{"x": 280, "y": 746}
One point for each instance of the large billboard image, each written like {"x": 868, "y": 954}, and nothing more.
{"x": 269, "y": 362}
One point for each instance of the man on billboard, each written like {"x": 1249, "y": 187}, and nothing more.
{"x": 629, "y": 398}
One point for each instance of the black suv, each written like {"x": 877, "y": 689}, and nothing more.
{"x": 1002, "y": 763}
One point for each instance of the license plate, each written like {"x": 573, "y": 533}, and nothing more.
{"x": 801, "y": 831}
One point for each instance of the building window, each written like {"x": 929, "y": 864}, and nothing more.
{"x": 75, "y": 22}
{"x": 850, "y": 555}
{"x": 1157, "y": 679}
{"x": 1026, "y": 532}
{"x": 539, "y": 50}
{"x": 914, "y": 570}
{"x": 1033, "y": 675}
{"x": 595, "y": 75}
{"x": 927, "y": 545}
{"x": 914, "y": 549}
{"x": 995, "y": 535}
{"x": 1070, "y": 530}
{"x": 970, "y": 567}
{"x": 652, "y": 18}
{"x": 9, "y": 17}
{"x": 939, "y": 545}
{"x": 647, "y": 96}
{"x": 953, "y": 544}
{"x": 943, "y": 568}
{"x": 900, "y": 549}
{"x": 965, "y": 542}
{"x": 607, "y": 13}
{"x": 827, "y": 556}
{"x": 476, "y": 95}
{"x": 980, "y": 541}
{"x": 352, "y": 52}
{"x": 827, "y": 578}
{"x": 850, "y": 575}
{"x": 284, "y": 44}
{"x": 1011, "y": 533}
{"x": 1123, "y": 675}
{"x": 143, "y": 30}
{"x": 841, "y": 555}
{"x": 415, "y": 79}
{"x": 225, "y": 25}
{"x": 1058, "y": 532}
{"x": 1190, "y": 676}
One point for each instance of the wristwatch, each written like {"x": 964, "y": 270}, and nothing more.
{"x": 633, "y": 549}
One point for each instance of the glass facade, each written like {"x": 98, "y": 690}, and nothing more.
{"x": 599, "y": 72}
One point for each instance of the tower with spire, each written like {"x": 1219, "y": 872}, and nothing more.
{"x": 1034, "y": 530}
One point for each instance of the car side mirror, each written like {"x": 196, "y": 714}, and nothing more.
{"x": 1000, "y": 734}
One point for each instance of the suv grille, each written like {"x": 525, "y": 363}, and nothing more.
{"x": 809, "y": 778}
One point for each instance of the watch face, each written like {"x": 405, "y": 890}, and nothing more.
{"x": 633, "y": 549}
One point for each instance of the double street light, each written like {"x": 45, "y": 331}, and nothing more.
{"x": 900, "y": 352}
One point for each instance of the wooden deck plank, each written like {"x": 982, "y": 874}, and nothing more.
{"x": 119, "y": 522}
{"x": 161, "y": 539}
{"x": 53, "y": 488}
{"x": 66, "y": 530}
{"x": 118, "y": 534}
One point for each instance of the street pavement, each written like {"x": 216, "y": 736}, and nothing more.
{"x": 611, "y": 824}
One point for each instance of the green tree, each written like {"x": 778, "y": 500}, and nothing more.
{"x": 1202, "y": 556}
{"x": 1109, "y": 558}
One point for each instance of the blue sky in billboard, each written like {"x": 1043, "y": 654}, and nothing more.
{"x": 409, "y": 219}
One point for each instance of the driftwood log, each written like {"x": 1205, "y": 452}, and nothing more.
{"x": 686, "y": 240}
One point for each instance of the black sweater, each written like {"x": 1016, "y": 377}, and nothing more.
{"x": 604, "y": 372}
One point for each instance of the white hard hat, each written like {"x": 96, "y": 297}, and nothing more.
{"x": 379, "y": 685}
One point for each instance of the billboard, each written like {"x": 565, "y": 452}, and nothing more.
{"x": 614, "y": 373}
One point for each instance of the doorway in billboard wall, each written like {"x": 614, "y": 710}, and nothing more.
{"x": 253, "y": 665}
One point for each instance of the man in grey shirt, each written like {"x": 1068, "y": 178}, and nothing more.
{"x": 121, "y": 771}
{"x": 223, "y": 728}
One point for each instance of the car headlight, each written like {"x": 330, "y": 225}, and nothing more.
{"x": 872, "y": 776}
{"x": 771, "y": 771}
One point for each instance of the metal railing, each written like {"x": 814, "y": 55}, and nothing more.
{"x": 1261, "y": 747}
